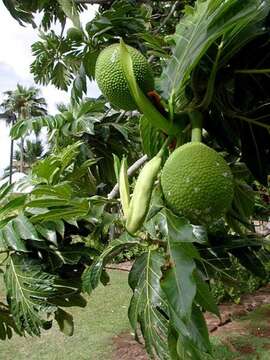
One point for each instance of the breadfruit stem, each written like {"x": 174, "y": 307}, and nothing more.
{"x": 164, "y": 145}
{"x": 144, "y": 104}
{"x": 196, "y": 124}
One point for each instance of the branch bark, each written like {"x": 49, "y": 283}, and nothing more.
{"x": 167, "y": 17}
{"x": 133, "y": 168}
{"x": 107, "y": 2}
{"x": 93, "y": 2}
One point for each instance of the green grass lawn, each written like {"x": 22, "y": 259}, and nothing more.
{"x": 95, "y": 325}
{"x": 248, "y": 337}
{"x": 106, "y": 316}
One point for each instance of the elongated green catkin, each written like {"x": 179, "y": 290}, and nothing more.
{"x": 142, "y": 193}
{"x": 124, "y": 187}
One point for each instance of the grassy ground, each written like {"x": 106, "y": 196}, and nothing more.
{"x": 247, "y": 338}
{"x": 105, "y": 316}
{"x": 95, "y": 325}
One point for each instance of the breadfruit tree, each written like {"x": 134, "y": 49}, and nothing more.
{"x": 184, "y": 88}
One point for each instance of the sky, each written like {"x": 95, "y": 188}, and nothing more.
{"x": 15, "y": 60}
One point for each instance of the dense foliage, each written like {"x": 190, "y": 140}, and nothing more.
{"x": 211, "y": 58}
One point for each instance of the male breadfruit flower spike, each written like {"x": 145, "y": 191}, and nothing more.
{"x": 140, "y": 201}
{"x": 124, "y": 187}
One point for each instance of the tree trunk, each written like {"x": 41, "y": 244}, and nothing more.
{"x": 11, "y": 161}
{"x": 22, "y": 115}
{"x": 21, "y": 155}
{"x": 11, "y": 152}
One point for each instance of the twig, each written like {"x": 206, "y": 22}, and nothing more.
{"x": 116, "y": 268}
{"x": 151, "y": 58}
{"x": 92, "y": 2}
{"x": 108, "y": 2}
{"x": 252, "y": 71}
{"x": 253, "y": 121}
{"x": 133, "y": 168}
{"x": 120, "y": 117}
{"x": 170, "y": 14}
{"x": 105, "y": 115}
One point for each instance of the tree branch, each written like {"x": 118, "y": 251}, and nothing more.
{"x": 130, "y": 172}
{"x": 92, "y": 2}
{"x": 108, "y": 2}
{"x": 170, "y": 14}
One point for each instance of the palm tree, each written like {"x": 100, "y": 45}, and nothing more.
{"x": 10, "y": 119}
{"x": 32, "y": 151}
{"x": 22, "y": 104}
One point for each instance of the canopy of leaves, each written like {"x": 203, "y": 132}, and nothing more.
{"x": 49, "y": 237}
{"x": 104, "y": 132}
{"x": 23, "y": 11}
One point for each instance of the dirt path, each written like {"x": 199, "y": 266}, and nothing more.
{"x": 238, "y": 325}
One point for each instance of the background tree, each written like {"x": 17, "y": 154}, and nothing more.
{"x": 24, "y": 103}
{"x": 32, "y": 151}
{"x": 105, "y": 132}
{"x": 10, "y": 119}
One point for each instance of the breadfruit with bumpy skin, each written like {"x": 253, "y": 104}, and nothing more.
{"x": 111, "y": 78}
{"x": 197, "y": 183}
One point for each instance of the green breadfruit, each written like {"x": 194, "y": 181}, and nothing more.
{"x": 111, "y": 79}
{"x": 197, "y": 183}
